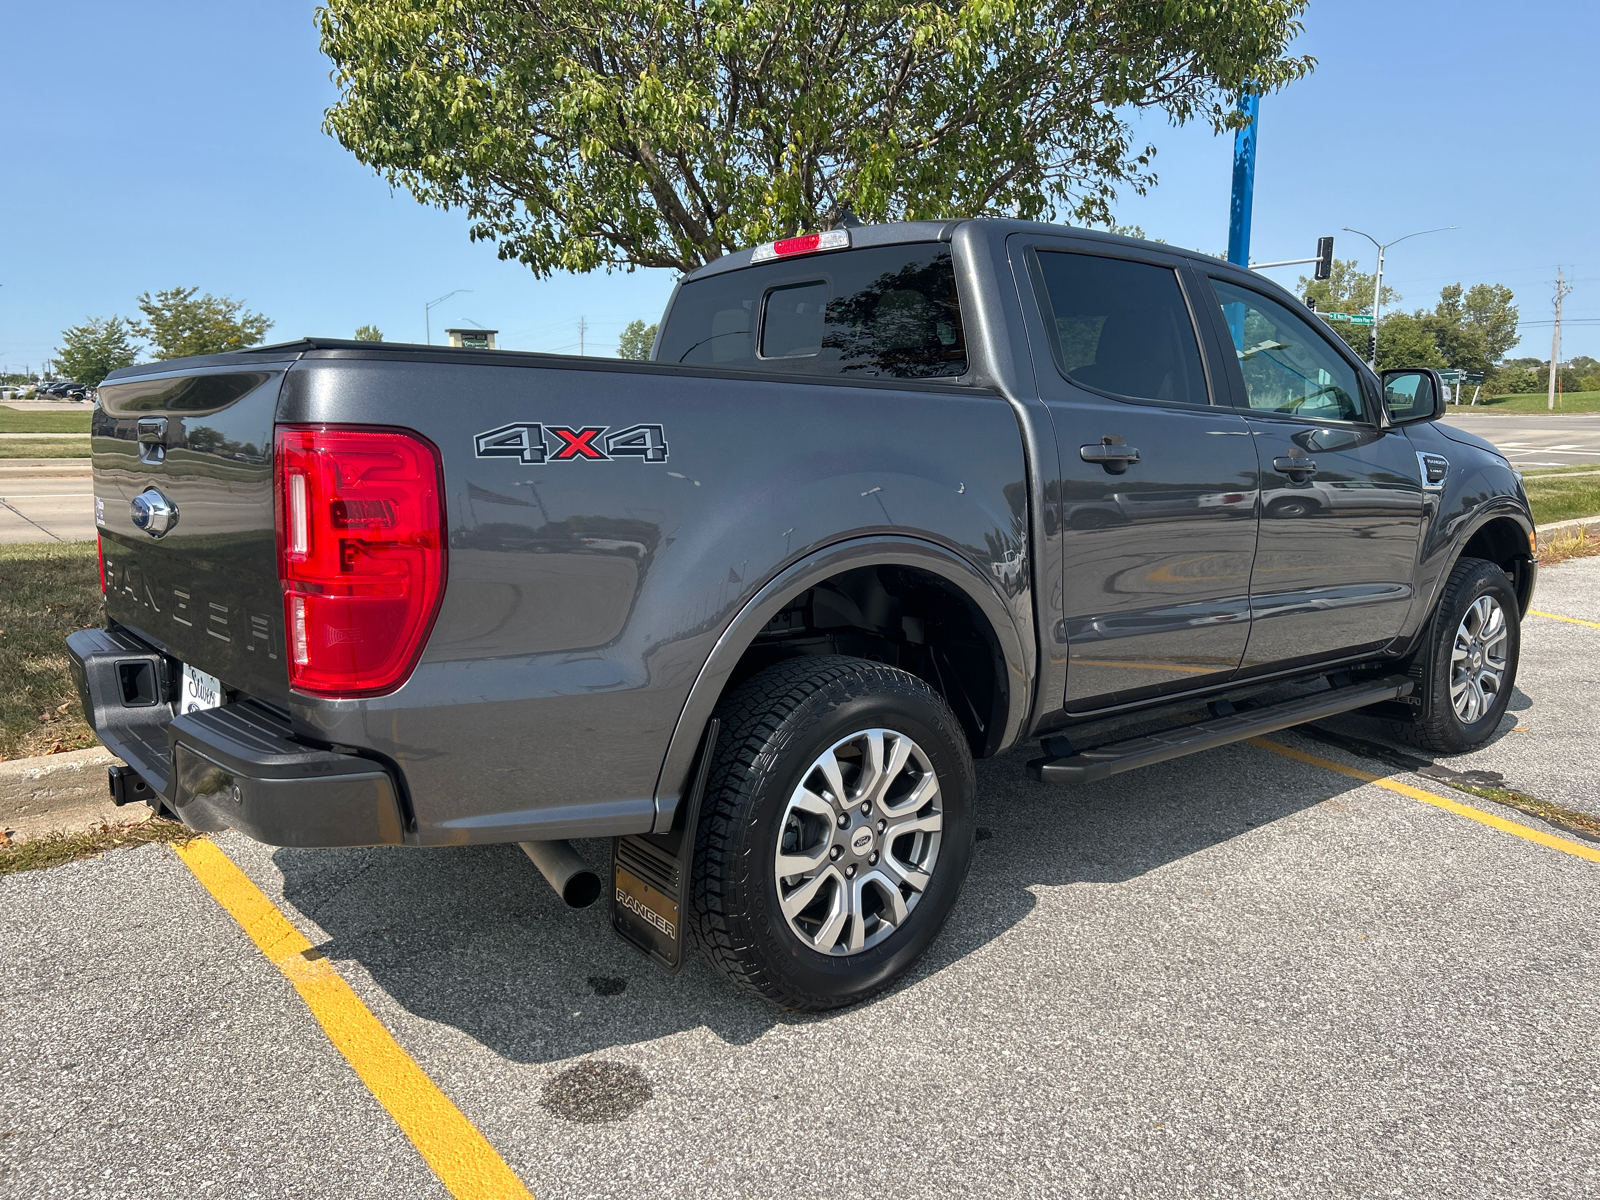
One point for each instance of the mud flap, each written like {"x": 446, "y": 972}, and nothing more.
{"x": 651, "y": 873}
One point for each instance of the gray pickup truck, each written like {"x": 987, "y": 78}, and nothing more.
{"x": 888, "y": 499}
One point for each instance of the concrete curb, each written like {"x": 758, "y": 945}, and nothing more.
{"x": 39, "y": 468}
{"x": 56, "y": 793}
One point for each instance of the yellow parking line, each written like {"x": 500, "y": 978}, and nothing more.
{"x": 460, "y": 1156}
{"x": 1534, "y": 612}
{"x": 1565, "y": 845}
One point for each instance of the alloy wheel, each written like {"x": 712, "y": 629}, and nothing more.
{"x": 1478, "y": 659}
{"x": 858, "y": 842}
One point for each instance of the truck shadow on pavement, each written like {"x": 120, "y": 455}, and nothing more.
{"x": 473, "y": 938}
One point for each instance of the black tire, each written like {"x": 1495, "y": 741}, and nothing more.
{"x": 775, "y": 726}
{"x": 1433, "y": 722}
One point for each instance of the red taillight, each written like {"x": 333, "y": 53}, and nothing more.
{"x": 809, "y": 243}
{"x": 360, "y": 553}
{"x": 100, "y": 549}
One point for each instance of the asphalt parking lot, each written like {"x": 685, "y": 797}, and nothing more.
{"x": 1556, "y": 440}
{"x": 1238, "y": 974}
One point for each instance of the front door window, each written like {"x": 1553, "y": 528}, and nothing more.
{"x": 1288, "y": 366}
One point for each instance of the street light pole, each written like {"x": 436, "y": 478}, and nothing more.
{"x": 1377, "y": 289}
{"x": 427, "y": 311}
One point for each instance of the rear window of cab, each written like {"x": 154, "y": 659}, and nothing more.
{"x": 876, "y": 312}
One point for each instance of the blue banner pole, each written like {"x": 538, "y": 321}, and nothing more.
{"x": 1244, "y": 181}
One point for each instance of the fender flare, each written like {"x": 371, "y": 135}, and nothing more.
{"x": 885, "y": 550}
{"x": 1465, "y": 529}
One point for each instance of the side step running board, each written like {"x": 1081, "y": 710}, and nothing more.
{"x": 1090, "y": 765}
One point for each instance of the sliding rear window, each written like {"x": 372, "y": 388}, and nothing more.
{"x": 879, "y": 312}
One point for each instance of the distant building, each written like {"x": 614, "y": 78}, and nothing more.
{"x": 472, "y": 339}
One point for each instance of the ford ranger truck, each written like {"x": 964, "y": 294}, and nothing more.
{"x": 888, "y": 499}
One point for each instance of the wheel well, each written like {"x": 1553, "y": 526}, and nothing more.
{"x": 1503, "y": 541}
{"x": 907, "y": 618}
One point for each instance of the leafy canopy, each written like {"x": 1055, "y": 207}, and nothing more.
{"x": 91, "y": 351}
{"x": 176, "y": 324}
{"x": 368, "y": 333}
{"x": 664, "y": 133}
{"x": 637, "y": 340}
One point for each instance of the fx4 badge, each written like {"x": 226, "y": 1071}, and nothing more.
{"x": 531, "y": 443}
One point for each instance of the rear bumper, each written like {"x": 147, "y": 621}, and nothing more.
{"x": 234, "y": 767}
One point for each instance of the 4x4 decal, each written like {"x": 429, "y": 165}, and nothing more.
{"x": 530, "y": 442}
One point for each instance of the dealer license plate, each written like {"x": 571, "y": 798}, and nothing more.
{"x": 200, "y": 691}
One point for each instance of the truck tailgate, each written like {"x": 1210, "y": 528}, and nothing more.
{"x": 197, "y": 445}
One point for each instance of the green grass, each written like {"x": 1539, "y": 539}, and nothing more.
{"x": 1555, "y": 498}
{"x": 1535, "y": 402}
{"x": 46, "y": 592}
{"x": 44, "y": 447}
{"x": 1580, "y": 469}
{"x": 58, "y": 849}
{"x": 16, "y": 420}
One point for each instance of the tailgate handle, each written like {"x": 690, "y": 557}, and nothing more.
{"x": 152, "y": 439}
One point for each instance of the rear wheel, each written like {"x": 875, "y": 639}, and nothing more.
{"x": 1467, "y": 667}
{"x": 836, "y": 831}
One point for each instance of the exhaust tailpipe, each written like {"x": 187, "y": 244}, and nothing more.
{"x": 574, "y": 880}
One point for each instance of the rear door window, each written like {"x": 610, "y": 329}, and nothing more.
{"x": 877, "y": 312}
{"x": 1121, "y": 327}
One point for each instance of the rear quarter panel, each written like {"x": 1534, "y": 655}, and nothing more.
{"x": 584, "y": 596}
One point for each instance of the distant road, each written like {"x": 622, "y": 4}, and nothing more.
{"x": 46, "y": 500}
{"x": 1535, "y": 441}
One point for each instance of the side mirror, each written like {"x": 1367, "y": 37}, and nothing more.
{"x": 1413, "y": 395}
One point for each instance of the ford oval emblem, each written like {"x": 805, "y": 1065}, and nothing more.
{"x": 153, "y": 512}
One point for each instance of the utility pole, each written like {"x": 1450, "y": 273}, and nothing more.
{"x": 1562, "y": 288}
{"x": 583, "y": 330}
{"x": 1377, "y": 288}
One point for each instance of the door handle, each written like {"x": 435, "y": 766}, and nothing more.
{"x": 1113, "y": 456}
{"x": 1296, "y": 468}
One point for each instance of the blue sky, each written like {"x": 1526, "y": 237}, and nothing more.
{"x": 175, "y": 143}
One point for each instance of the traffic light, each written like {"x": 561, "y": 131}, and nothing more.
{"x": 1324, "y": 267}
{"x": 1311, "y": 303}
{"x": 1372, "y": 346}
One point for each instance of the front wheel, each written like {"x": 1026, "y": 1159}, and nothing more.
{"x": 1467, "y": 666}
{"x": 836, "y": 830}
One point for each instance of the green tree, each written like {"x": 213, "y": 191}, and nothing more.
{"x": 1488, "y": 307}
{"x": 369, "y": 333}
{"x": 1406, "y": 340}
{"x": 1347, "y": 290}
{"x": 1511, "y": 381}
{"x": 177, "y": 325}
{"x": 637, "y": 340}
{"x": 664, "y": 133}
{"x": 91, "y": 351}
